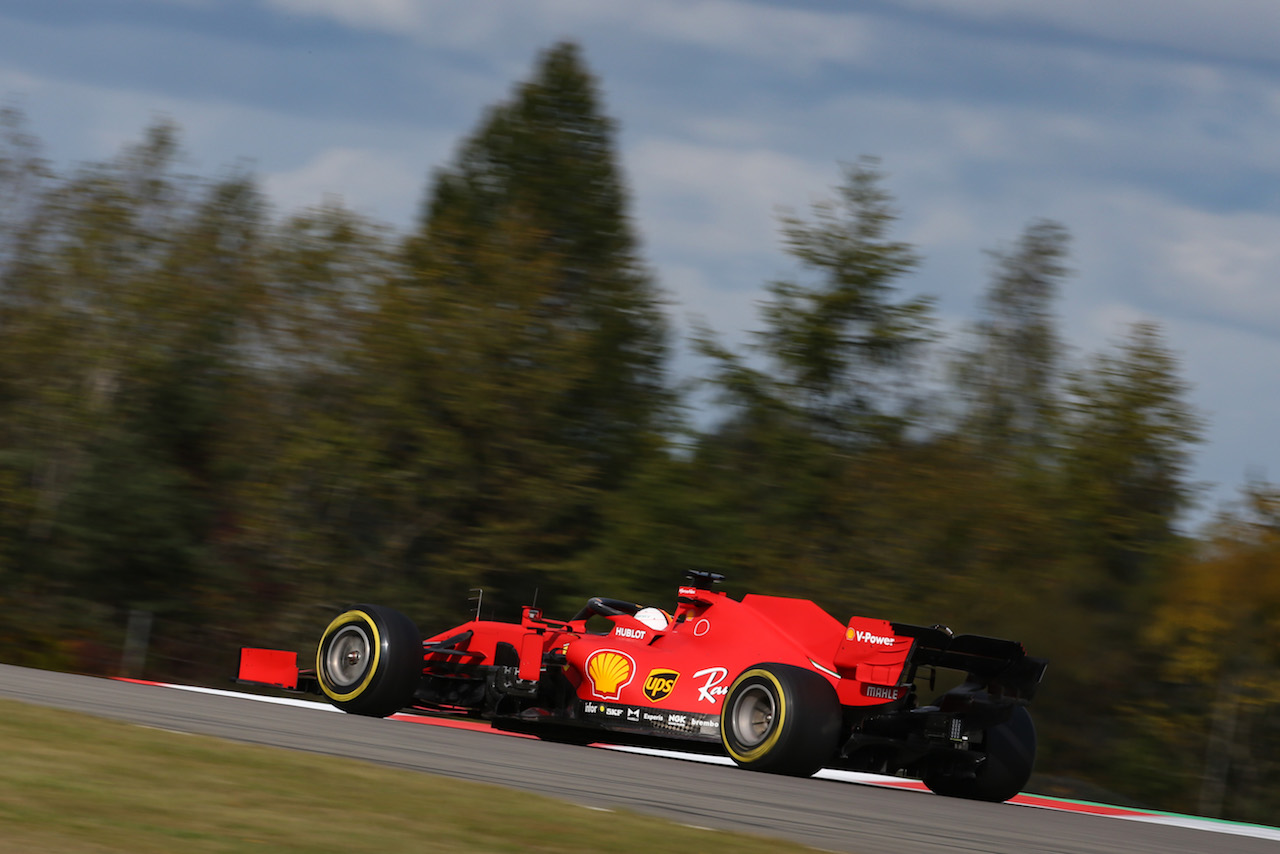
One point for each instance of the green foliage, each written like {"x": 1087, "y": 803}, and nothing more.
{"x": 1128, "y": 438}
{"x": 1220, "y": 613}
{"x": 1215, "y": 637}
{"x": 123, "y": 302}
{"x": 819, "y": 401}
{"x": 837, "y": 351}
{"x": 546, "y": 158}
{"x": 1011, "y": 381}
{"x": 478, "y": 377}
{"x": 299, "y": 441}
{"x": 452, "y": 415}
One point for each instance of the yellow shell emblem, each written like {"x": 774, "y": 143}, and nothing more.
{"x": 609, "y": 671}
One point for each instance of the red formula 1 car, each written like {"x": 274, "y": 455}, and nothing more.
{"x": 777, "y": 684}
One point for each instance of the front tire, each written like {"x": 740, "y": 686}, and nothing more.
{"x": 780, "y": 719}
{"x": 1011, "y": 754}
{"x": 369, "y": 661}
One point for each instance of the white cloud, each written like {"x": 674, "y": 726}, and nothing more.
{"x": 1240, "y": 29}
{"x": 792, "y": 36}
{"x": 1113, "y": 319}
{"x": 716, "y": 200}
{"x": 1179, "y": 260}
{"x": 947, "y": 222}
{"x": 1224, "y": 265}
{"x": 372, "y": 182}
{"x": 386, "y": 15}
{"x": 15, "y": 84}
{"x": 795, "y": 37}
{"x": 1234, "y": 387}
{"x": 699, "y": 301}
{"x": 380, "y": 172}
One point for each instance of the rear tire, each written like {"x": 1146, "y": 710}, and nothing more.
{"x": 780, "y": 719}
{"x": 369, "y": 661}
{"x": 1011, "y": 754}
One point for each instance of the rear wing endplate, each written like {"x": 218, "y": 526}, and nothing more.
{"x": 1003, "y": 666}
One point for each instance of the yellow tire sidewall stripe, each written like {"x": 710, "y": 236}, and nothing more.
{"x": 349, "y": 618}
{"x": 762, "y": 749}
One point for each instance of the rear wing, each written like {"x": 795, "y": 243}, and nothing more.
{"x": 1001, "y": 666}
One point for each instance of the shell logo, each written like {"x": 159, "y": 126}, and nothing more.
{"x": 609, "y": 672}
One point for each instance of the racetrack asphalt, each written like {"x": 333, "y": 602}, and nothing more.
{"x": 825, "y": 814}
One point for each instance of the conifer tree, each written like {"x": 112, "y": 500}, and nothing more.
{"x": 819, "y": 403}
{"x": 514, "y": 371}
{"x": 1128, "y": 453}
{"x": 546, "y": 157}
{"x": 1012, "y": 380}
{"x": 840, "y": 348}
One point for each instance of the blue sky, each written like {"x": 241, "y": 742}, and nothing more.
{"x": 1147, "y": 127}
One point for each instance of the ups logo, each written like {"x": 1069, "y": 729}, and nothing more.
{"x": 659, "y": 684}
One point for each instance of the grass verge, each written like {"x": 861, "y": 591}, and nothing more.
{"x": 73, "y": 783}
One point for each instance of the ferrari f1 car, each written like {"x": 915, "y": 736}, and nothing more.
{"x": 777, "y": 684}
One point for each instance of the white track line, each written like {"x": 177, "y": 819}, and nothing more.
{"x": 258, "y": 698}
{"x": 1256, "y": 831}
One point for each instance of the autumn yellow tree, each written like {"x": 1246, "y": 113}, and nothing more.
{"x": 1218, "y": 633}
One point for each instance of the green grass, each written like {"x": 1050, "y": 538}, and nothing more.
{"x": 72, "y": 783}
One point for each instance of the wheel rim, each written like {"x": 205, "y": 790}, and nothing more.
{"x": 347, "y": 658}
{"x": 753, "y": 715}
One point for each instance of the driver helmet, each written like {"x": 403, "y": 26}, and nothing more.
{"x": 655, "y": 618}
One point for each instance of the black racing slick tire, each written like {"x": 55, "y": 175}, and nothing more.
{"x": 780, "y": 719}
{"x": 1010, "y": 749}
{"x": 369, "y": 661}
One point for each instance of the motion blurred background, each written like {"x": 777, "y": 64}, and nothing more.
{"x": 221, "y": 421}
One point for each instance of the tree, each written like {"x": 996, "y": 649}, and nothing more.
{"x": 840, "y": 344}
{"x": 819, "y": 402}
{"x": 520, "y": 357}
{"x": 835, "y": 351}
{"x": 472, "y": 418}
{"x": 304, "y": 529}
{"x": 23, "y": 179}
{"x": 1118, "y": 483}
{"x": 1012, "y": 379}
{"x": 547, "y": 157}
{"x": 1216, "y": 631}
{"x": 1128, "y": 439}
{"x": 1009, "y": 384}
{"x": 125, "y": 303}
